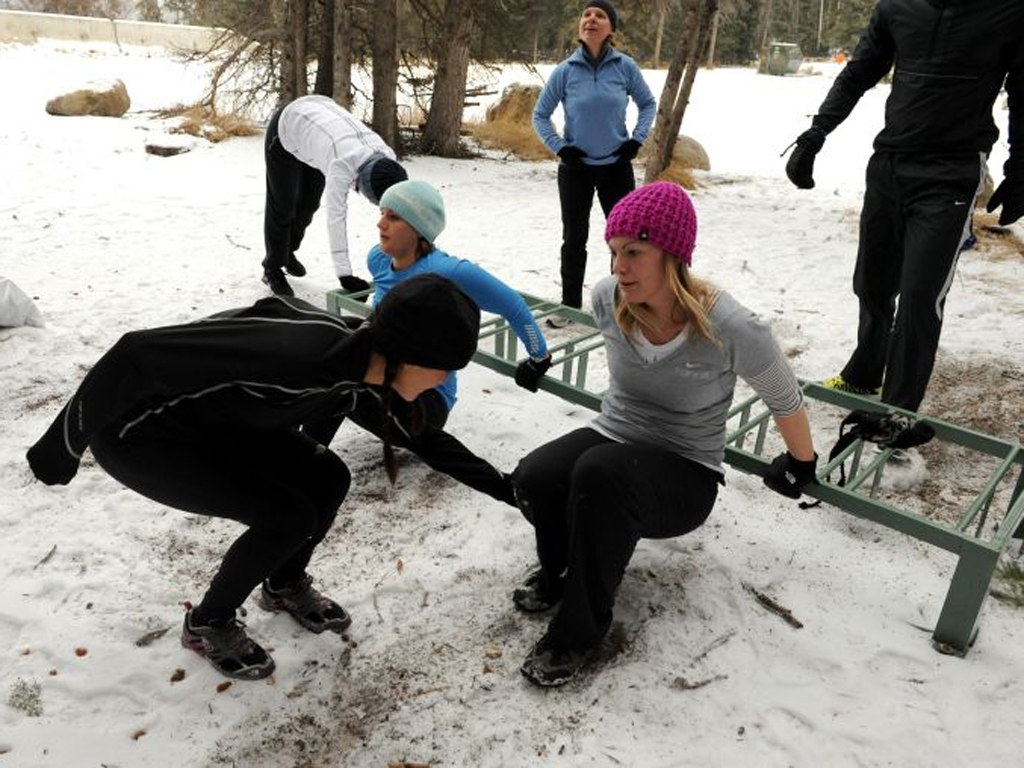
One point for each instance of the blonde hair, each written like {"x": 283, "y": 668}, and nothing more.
{"x": 695, "y": 298}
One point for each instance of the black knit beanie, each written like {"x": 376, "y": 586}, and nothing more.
{"x": 427, "y": 321}
{"x": 608, "y": 8}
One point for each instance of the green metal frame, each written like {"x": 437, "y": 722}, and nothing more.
{"x": 977, "y": 552}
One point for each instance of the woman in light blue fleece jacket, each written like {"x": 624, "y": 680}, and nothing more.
{"x": 650, "y": 464}
{"x": 593, "y": 86}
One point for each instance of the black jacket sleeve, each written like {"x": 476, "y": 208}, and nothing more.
{"x": 275, "y": 342}
{"x": 872, "y": 59}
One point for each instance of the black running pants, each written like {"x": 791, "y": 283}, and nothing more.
{"x": 590, "y": 500}
{"x": 576, "y": 187}
{"x": 916, "y": 217}
{"x": 294, "y": 190}
{"x": 282, "y": 485}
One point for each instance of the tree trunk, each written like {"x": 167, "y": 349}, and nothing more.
{"x": 714, "y": 39}
{"x": 283, "y": 18}
{"x": 441, "y": 134}
{"x": 324, "y": 83}
{"x": 659, "y": 34}
{"x": 675, "y": 96}
{"x": 342, "y": 52}
{"x": 300, "y": 20}
{"x": 385, "y": 71}
{"x": 662, "y": 141}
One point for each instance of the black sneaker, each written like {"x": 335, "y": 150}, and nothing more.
{"x": 535, "y": 595}
{"x": 549, "y": 666}
{"x": 294, "y": 267}
{"x": 314, "y": 611}
{"x": 278, "y": 282}
{"x": 228, "y": 649}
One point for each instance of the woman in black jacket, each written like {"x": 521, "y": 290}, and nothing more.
{"x": 205, "y": 417}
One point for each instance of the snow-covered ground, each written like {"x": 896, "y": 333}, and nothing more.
{"x": 107, "y": 238}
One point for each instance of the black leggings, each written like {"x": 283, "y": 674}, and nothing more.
{"x": 591, "y": 500}
{"x": 283, "y": 485}
{"x": 294, "y": 190}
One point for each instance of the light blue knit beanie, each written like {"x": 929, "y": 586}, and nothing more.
{"x": 419, "y": 205}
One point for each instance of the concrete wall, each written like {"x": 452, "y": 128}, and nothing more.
{"x": 22, "y": 27}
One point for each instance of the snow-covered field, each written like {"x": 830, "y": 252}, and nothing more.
{"x": 107, "y": 238}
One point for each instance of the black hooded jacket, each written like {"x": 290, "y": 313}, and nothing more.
{"x": 951, "y": 59}
{"x": 277, "y": 364}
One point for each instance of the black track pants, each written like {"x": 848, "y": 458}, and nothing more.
{"x": 576, "y": 187}
{"x": 283, "y": 485}
{"x": 591, "y": 500}
{"x": 294, "y": 190}
{"x": 916, "y": 217}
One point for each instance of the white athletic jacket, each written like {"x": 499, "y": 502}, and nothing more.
{"x": 335, "y": 142}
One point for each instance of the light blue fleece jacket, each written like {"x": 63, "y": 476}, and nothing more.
{"x": 594, "y": 100}
{"x": 490, "y": 294}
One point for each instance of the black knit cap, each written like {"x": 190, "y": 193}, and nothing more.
{"x": 608, "y": 8}
{"x": 427, "y": 321}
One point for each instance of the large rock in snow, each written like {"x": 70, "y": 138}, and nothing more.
{"x": 106, "y": 100}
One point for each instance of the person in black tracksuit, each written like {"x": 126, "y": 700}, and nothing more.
{"x": 951, "y": 59}
{"x": 205, "y": 417}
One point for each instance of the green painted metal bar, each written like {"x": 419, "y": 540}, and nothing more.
{"x": 873, "y": 467}
{"x": 985, "y": 497}
{"x": 967, "y": 591}
{"x": 761, "y": 418}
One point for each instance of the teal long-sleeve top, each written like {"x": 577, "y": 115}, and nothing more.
{"x": 490, "y": 294}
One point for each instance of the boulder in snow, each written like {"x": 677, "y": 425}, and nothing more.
{"x": 107, "y": 100}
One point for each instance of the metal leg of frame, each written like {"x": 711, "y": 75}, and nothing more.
{"x": 955, "y": 629}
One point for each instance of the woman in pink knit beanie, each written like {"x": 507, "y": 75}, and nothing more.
{"x": 650, "y": 464}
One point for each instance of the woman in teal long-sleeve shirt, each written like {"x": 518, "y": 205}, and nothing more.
{"x": 596, "y": 150}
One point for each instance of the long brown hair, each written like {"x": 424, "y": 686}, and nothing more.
{"x": 695, "y": 299}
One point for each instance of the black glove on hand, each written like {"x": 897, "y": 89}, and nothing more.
{"x": 1009, "y": 193}
{"x": 627, "y": 150}
{"x": 800, "y": 167}
{"x": 53, "y": 467}
{"x": 529, "y": 371}
{"x": 790, "y": 476}
{"x": 353, "y": 284}
{"x": 572, "y": 156}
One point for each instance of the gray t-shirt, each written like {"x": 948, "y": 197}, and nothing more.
{"x": 680, "y": 402}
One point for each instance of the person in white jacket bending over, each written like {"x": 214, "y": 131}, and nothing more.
{"x": 313, "y": 143}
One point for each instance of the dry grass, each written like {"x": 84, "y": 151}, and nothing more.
{"x": 995, "y": 242}
{"x": 200, "y": 121}
{"x": 680, "y": 175}
{"x": 509, "y": 125}
{"x": 514, "y": 138}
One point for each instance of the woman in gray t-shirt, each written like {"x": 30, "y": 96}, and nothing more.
{"x": 650, "y": 464}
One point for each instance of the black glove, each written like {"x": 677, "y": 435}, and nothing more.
{"x": 53, "y": 467}
{"x": 572, "y": 156}
{"x": 800, "y": 167}
{"x": 353, "y": 284}
{"x": 627, "y": 150}
{"x": 1009, "y": 193}
{"x": 790, "y": 476}
{"x": 529, "y": 371}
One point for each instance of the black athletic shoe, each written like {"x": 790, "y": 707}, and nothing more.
{"x": 228, "y": 649}
{"x": 549, "y": 666}
{"x": 535, "y": 595}
{"x": 314, "y": 611}
{"x": 294, "y": 267}
{"x": 278, "y": 282}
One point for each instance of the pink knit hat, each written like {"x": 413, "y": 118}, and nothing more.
{"x": 660, "y": 213}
